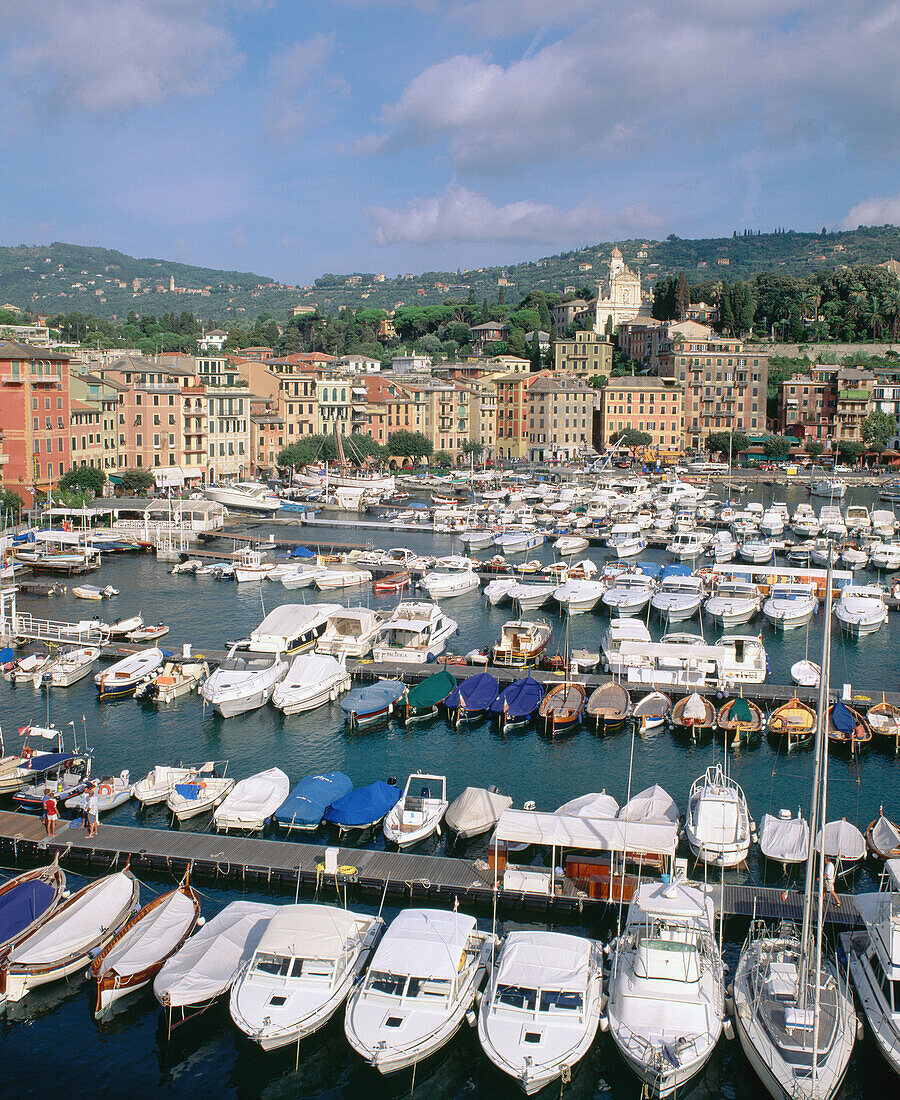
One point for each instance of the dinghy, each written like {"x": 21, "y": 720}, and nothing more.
{"x": 71, "y": 666}
{"x": 806, "y": 673}
{"x": 784, "y": 839}
{"x": 374, "y": 701}
{"x": 741, "y": 720}
{"x": 27, "y": 900}
{"x": 609, "y": 705}
{"x": 793, "y": 722}
{"x": 312, "y": 680}
{"x": 423, "y": 979}
{"x": 395, "y": 582}
{"x": 694, "y": 715}
{"x": 883, "y": 838}
{"x": 847, "y": 729}
{"x": 417, "y": 815}
{"x": 137, "y": 953}
{"x": 198, "y": 796}
{"x": 470, "y": 699}
{"x": 518, "y": 702}
{"x": 884, "y": 721}
{"x": 306, "y": 963}
{"x": 305, "y": 806}
{"x": 652, "y": 711}
{"x": 159, "y": 782}
{"x": 250, "y": 804}
{"x": 111, "y": 790}
{"x": 125, "y": 675}
{"x": 476, "y": 811}
{"x": 843, "y": 843}
{"x": 423, "y": 698}
{"x": 363, "y": 808}
{"x": 148, "y": 633}
{"x": 562, "y": 706}
{"x": 175, "y": 679}
{"x": 122, "y": 627}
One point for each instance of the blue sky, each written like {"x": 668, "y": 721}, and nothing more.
{"x": 294, "y": 137}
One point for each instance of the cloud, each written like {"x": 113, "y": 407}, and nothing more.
{"x": 884, "y": 211}
{"x": 109, "y": 56}
{"x": 461, "y": 215}
{"x": 300, "y": 88}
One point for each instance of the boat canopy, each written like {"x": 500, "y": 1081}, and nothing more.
{"x": 46, "y": 760}
{"x": 373, "y": 697}
{"x": 301, "y": 552}
{"x": 427, "y": 943}
{"x": 308, "y": 801}
{"x": 785, "y": 839}
{"x": 431, "y": 691}
{"x": 364, "y": 805}
{"x": 842, "y": 841}
{"x": 475, "y": 810}
{"x": 476, "y": 693}
{"x": 675, "y": 569}
{"x": 520, "y": 699}
{"x": 544, "y": 960}
{"x": 650, "y": 569}
{"x": 653, "y": 804}
{"x": 599, "y": 804}
{"x": 311, "y": 931}
{"x": 588, "y": 833}
{"x": 22, "y": 905}
{"x": 153, "y": 937}
{"x": 695, "y": 708}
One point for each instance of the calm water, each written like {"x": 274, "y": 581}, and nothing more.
{"x": 54, "y": 1032}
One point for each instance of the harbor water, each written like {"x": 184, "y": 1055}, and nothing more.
{"x": 52, "y": 1040}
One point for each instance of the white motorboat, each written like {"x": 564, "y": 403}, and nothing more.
{"x": 121, "y": 628}
{"x": 521, "y": 643}
{"x": 832, "y": 522}
{"x": 476, "y": 811}
{"x": 541, "y": 1008}
{"x": 531, "y": 597}
{"x": 30, "y": 668}
{"x": 568, "y": 545}
{"x": 66, "y": 942}
{"x": 248, "y": 565}
{"x": 654, "y": 805}
{"x": 861, "y": 609}
{"x": 250, "y": 803}
{"x": 677, "y": 598}
{"x": 174, "y": 679}
{"x": 854, "y": 557}
{"x": 148, "y": 633}
{"x": 790, "y": 605}
{"x": 733, "y": 603}
{"x": 821, "y": 485}
{"x": 772, "y": 523}
{"x": 244, "y": 496}
{"x": 627, "y": 539}
{"x": 305, "y": 964}
{"x": 245, "y": 680}
{"x": 804, "y": 523}
{"x": 517, "y": 542}
{"x": 451, "y": 576}
{"x": 423, "y": 979}
{"x": 186, "y": 568}
{"x": 159, "y": 782}
{"x": 198, "y": 795}
{"x": 477, "y": 539}
{"x": 718, "y": 826}
{"x": 125, "y": 675}
{"x": 312, "y": 680}
{"x": 688, "y": 545}
{"x": 414, "y": 634}
{"x": 806, "y": 673}
{"x": 330, "y": 580}
{"x": 301, "y": 576}
{"x": 666, "y": 1005}
{"x": 885, "y": 556}
{"x": 500, "y": 589}
{"x": 92, "y": 592}
{"x": 756, "y": 551}
{"x": 724, "y": 547}
{"x": 352, "y": 631}
{"x": 884, "y": 523}
{"x": 628, "y": 594}
{"x": 71, "y": 666}
{"x": 419, "y": 812}
{"x": 578, "y": 596}
{"x": 784, "y": 838}
{"x": 111, "y": 791}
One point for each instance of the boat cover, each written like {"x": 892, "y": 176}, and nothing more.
{"x": 475, "y": 811}
{"x": 22, "y": 906}
{"x": 740, "y": 711}
{"x": 842, "y": 718}
{"x": 591, "y": 805}
{"x": 520, "y": 699}
{"x": 695, "y": 708}
{"x": 426, "y": 943}
{"x": 545, "y": 960}
{"x": 652, "y": 804}
{"x": 431, "y": 691}
{"x": 587, "y": 833}
{"x": 308, "y": 670}
{"x": 476, "y": 693}
{"x": 301, "y": 552}
{"x": 154, "y": 937}
{"x": 649, "y": 568}
{"x": 44, "y": 761}
{"x": 364, "y": 806}
{"x": 311, "y": 931}
{"x": 255, "y": 797}
{"x": 373, "y": 698}
{"x": 843, "y": 841}
{"x": 312, "y": 796}
{"x": 188, "y": 791}
{"x": 784, "y": 839}
{"x": 7, "y": 655}
{"x": 885, "y": 838}
{"x": 207, "y": 964}
{"x": 675, "y": 569}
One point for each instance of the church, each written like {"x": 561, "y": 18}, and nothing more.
{"x": 619, "y": 295}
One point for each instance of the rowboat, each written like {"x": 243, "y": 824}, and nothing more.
{"x": 394, "y": 582}
{"x": 651, "y": 711}
{"x": 741, "y": 719}
{"x": 27, "y": 900}
{"x": 609, "y": 706}
{"x": 794, "y": 722}
{"x": 562, "y": 706}
{"x": 125, "y": 675}
{"x": 883, "y": 838}
{"x": 472, "y": 697}
{"x": 884, "y": 720}
{"x": 847, "y": 729}
{"x": 423, "y": 698}
{"x": 695, "y": 715}
{"x": 518, "y": 702}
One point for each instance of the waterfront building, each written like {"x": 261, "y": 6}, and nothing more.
{"x": 644, "y": 404}
{"x": 512, "y": 414}
{"x": 559, "y": 417}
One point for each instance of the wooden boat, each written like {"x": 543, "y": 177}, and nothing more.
{"x": 136, "y": 954}
{"x": 651, "y": 711}
{"x": 883, "y": 837}
{"x": 741, "y": 719}
{"x": 794, "y": 722}
{"x": 609, "y": 706}
{"x": 562, "y": 706}
{"x": 394, "y": 582}
{"x": 694, "y": 715}
{"x": 884, "y": 720}
{"x": 27, "y": 900}
{"x": 496, "y": 564}
{"x": 847, "y": 729}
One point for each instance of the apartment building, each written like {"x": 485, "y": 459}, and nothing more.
{"x": 586, "y": 354}
{"x": 806, "y": 407}
{"x": 646, "y": 404}
{"x": 87, "y": 433}
{"x": 853, "y": 402}
{"x": 483, "y": 417}
{"x": 559, "y": 417}
{"x": 266, "y": 435}
{"x": 102, "y": 394}
{"x": 512, "y": 414}
{"x": 296, "y": 389}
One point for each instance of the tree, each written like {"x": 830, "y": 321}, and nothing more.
{"x": 405, "y": 444}
{"x": 682, "y": 296}
{"x": 631, "y": 438}
{"x": 443, "y": 458}
{"x": 136, "y": 481}
{"x": 776, "y": 446}
{"x": 301, "y": 453}
{"x": 11, "y": 503}
{"x": 84, "y": 477}
{"x": 813, "y": 448}
{"x": 850, "y": 449}
{"x": 535, "y": 355}
{"x": 359, "y": 446}
{"x": 878, "y": 427}
{"x": 485, "y": 312}
{"x": 472, "y": 447}
{"x": 501, "y": 297}
{"x": 717, "y": 443}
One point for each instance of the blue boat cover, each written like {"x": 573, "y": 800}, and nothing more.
{"x": 190, "y": 791}
{"x": 842, "y": 718}
{"x": 22, "y": 905}
{"x": 27, "y": 537}
{"x": 364, "y": 806}
{"x": 649, "y": 568}
{"x": 308, "y": 801}
{"x": 476, "y": 693}
{"x": 6, "y": 655}
{"x": 301, "y": 552}
{"x": 373, "y": 698}
{"x": 520, "y": 699}
{"x": 675, "y": 569}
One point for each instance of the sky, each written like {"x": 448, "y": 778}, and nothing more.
{"x": 298, "y": 137}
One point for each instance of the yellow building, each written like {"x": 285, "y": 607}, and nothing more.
{"x": 586, "y": 354}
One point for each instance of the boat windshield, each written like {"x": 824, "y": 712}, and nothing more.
{"x": 411, "y": 986}
{"x": 516, "y": 996}
{"x": 246, "y": 661}
{"x": 283, "y": 966}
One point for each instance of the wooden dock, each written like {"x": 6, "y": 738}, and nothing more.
{"x": 282, "y": 864}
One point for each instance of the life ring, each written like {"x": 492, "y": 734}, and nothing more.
{"x": 27, "y": 752}
{"x": 202, "y": 784}
{"x": 105, "y": 790}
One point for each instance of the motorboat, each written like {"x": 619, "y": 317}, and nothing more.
{"x": 301, "y": 576}
{"x": 562, "y": 706}
{"x": 653, "y": 805}
{"x": 784, "y": 838}
{"x": 373, "y": 701}
{"x": 175, "y": 679}
{"x": 793, "y": 722}
{"x": 245, "y": 679}
{"x": 159, "y": 782}
{"x": 471, "y": 698}
{"x": 518, "y": 542}
{"x": 424, "y": 698}
{"x": 884, "y": 721}
{"x": 628, "y": 595}
{"x": 417, "y": 815}
{"x": 125, "y": 675}
{"x": 451, "y": 576}
{"x": 121, "y": 628}
{"x": 583, "y": 659}
{"x": 666, "y": 1007}
{"x": 618, "y": 633}
{"x": 72, "y": 935}
{"x": 724, "y": 547}
{"x": 330, "y": 580}
{"x": 806, "y": 673}
{"x": 568, "y": 545}
{"x": 351, "y": 631}
{"x": 578, "y": 596}
{"x": 476, "y": 811}
{"x": 422, "y": 981}
{"x": 187, "y": 567}
{"x": 149, "y": 633}
{"x": 207, "y": 964}
{"x": 833, "y": 525}
{"x": 541, "y": 1009}
{"x": 499, "y": 590}
{"x": 627, "y": 539}
{"x": 364, "y": 807}
{"x": 847, "y": 728}
{"x": 521, "y": 643}
{"x": 111, "y": 791}
{"x": 652, "y": 711}
{"x": 306, "y": 962}
{"x": 518, "y": 703}
{"x": 861, "y": 609}
{"x": 530, "y": 597}
{"x": 250, "y": 804}
{"x": 791, "y": 605}
{"x": 478, "y": 539}
{"x": 741, "y": 720}
{"x": 694, "y": 715}
{"x": 733, "y": 603}
{"x": 822, "y": 485}
{"x": 756, "y": 551}
{"x": 854, "y": 557}
{"x": 414, "y": 634}
{"x": 244, "y": 496}
{"x": 30, "y": 668}
{"x": 136, "y": 955}
{"x": 804, "y": 523}
{"x": 27, "y": 900}
{"x": 772, "y": 523}
{"x": 609, "y": 706}
{"x": 312, "y": 680}
{"x": 718, "y": 826}
{"x": 688, "y": 545}
{"x": 71, "y": 665}
{"x": 678, "y": 598}
{"x": 305, "y": 806}
{"x": 92, "y": 592}
{"x": 198, "y": 795}
{"x": 249, "y": 565}
{"x": 885, "y": 556}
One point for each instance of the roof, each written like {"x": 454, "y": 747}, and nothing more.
{"x": 12, "y": 349}
{"x": 311, "y": 931}
{"x": 589, "y": 834}
{"x": 560, "y": 383}
{"x": 427, "y": 943}
{"x": 643, "y": 382}
{"x": 544, "y": 960}
{"x": 489, "y": 325}
{"x": 670, "y": 899}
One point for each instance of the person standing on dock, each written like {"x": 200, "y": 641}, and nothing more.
{"x": 51, "y": 813}
{"x": 93, "y": 810}
{"x": 830, "y": 875}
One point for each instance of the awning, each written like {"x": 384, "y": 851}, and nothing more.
{"x": 587, "y": 833}
{"x": 167, "y": 476}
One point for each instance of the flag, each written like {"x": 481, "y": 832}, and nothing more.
{"x": 784, "y": 895}
{"x": 455, "y": 903}
{"x": 23, "y": 730}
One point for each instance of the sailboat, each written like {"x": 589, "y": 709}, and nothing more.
{"x": 793, "y": 1011}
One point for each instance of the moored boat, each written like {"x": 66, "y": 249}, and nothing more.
{"x": 518, "y": 702}
{"x": 249, "y": 805}
{"x": 884, "y": 721}
{"x": 652, "y": 710}
{"x": 793, "y": 722}
{"x": 363, "y": 807}
{"x": 741, "y": 720}
{"x": 562, "y": 706}
{"x": 847, "y": 729}
{"x": 419, "y": 812}
{"x": 521, "y": 643}
{"x": 609, "y": 705}
{"x": 305, "y": 806}
{"x": 27, "y": 900}
{"x": 694, "y": 715}
{"x": 373, "y": 701}
{"x": 424, "y": 698}
{"x": 472, "y": 697}
{"x": 125, "y": 675}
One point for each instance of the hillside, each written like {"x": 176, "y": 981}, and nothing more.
{"x": 62, "y": 278}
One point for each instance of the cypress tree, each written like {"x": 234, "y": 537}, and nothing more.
{"x": 682, "y": 296}
{"x": 501, "y": 297}
{"x": 535, "y": 352}
{"x": 485, "y": 313}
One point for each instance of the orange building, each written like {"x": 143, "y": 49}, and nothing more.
{"x": 654, "y": 406}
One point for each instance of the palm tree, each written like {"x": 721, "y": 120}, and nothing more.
{"x": 873, "y": 312}
{"x": 856, "y": 304}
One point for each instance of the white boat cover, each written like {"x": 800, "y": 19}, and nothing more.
{"x": 476, "y": 810}
{"x": 255, "y": 798}
{"x": 291, "y": 619}
{"x": 652, "y": 804}
{"x": 598, "y": 804}
{"x": 672, "y": 899}
{"x": 885, "y": 835}
{"x": 842, "y": 841}
{"x": 426, "y": 943}
{"x": 153, "y": 937}
{"x": 544, "y": 960}
{"x": 309, "y": 669}
{"x": 694, "y": 708}
{"x": 206, "y": 966}
{"x": 785, "y": 839}
{"x": 311, "y": 931}
{"x": 587, "y": 833}
{"x": 79, "y": 925}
